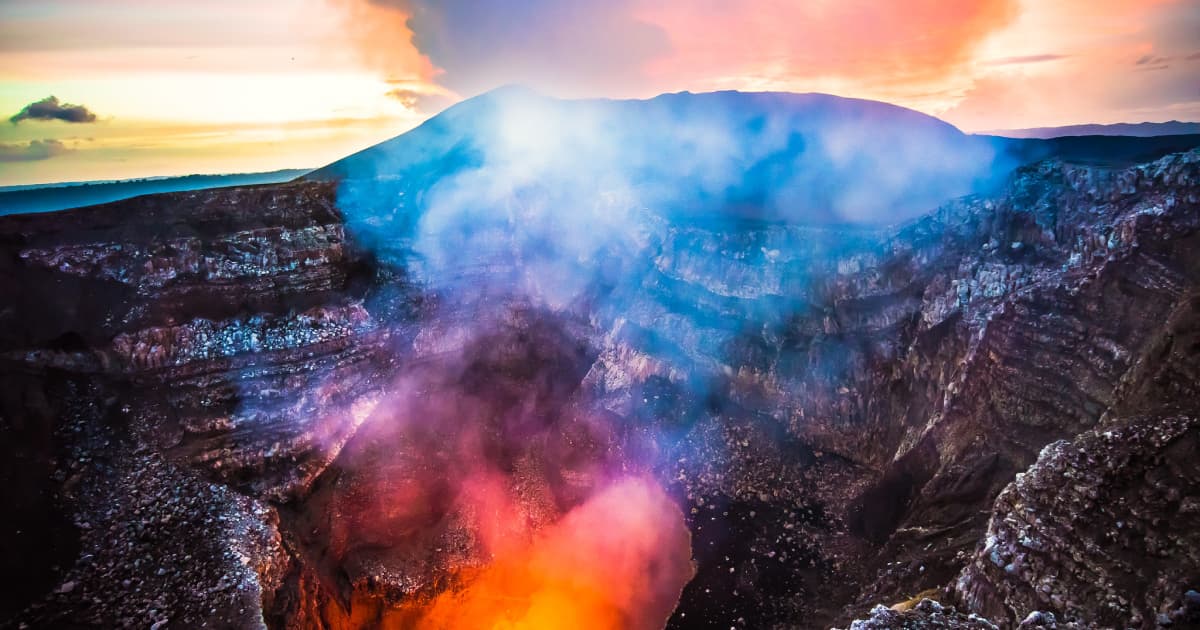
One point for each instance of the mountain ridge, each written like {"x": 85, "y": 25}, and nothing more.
{"x": 60, "y": 196}
{"x": 1141, "y": 130}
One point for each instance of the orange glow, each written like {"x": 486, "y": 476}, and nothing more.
{"x": 618, "y": 561}
{"x": 909, "y": 42}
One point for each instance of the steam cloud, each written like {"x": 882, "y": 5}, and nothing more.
{"x": 485, "y": 470}
{"x": 538, "y": 230}
{"x": 50, "y": 108}
{"x": 546, "y": 193}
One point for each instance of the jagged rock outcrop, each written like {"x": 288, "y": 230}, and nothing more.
{"x": 1044, "y": 361}
{"x": 237, "y": 315}
{"x": 1102, "y": 530}
{"x": 173, "y": 362}
{"x": 1099, "y": 530}
{"x": 200, "y": 399}
{"x": 927, "y": 613}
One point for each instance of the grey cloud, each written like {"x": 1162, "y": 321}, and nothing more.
{"x": 33, "y": 151}
{"x": 567, "y": 46}
{"x": 50, "y": 108}
{"x": 1021, "y": 59}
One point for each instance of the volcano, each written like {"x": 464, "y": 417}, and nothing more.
{"x": 698, "y": 361}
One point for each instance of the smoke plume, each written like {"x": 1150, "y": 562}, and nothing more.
{"x": 516, "y": 481}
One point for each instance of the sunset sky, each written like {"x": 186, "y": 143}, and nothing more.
{"x": 167, "y": 87}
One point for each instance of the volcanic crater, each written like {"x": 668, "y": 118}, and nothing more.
{"x": 404, "y": 391}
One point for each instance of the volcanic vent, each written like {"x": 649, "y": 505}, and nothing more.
{"x": 486, "y": 491}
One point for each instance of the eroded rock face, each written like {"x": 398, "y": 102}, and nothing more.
{"x": 1101, "y": 529}
{"x": 172, "y": 365}
{"x": 221, "y": 407}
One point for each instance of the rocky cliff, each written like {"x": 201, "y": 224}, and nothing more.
{"x": 243, "y": 408}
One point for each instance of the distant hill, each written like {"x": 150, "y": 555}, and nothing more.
{"x": 1140, "y": 130}
{"x": 44, "y": 198}
{"x": 813, "y": 158}
{"x": 801, "y": 158}
{"x": 1110, "y": 151}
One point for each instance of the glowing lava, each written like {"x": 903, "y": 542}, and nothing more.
{"x": 618, "y": 561}
{"x": 483, "y": 496}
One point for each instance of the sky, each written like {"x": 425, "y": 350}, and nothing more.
{"x": 110, "y": 89}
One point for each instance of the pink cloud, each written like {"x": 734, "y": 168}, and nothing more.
{"x": 921, "y": 53}
{"x": 894, "y": 42}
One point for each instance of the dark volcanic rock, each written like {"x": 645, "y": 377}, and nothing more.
{"x": 207, "y": 395}
{"x": 170, "y": 363}
{"x": 925, "y": 614}
{"x": 1102, "y": 530}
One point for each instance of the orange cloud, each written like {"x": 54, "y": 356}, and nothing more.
{"x": 931, "y": 55}
{"x": 640, "y": 47}
{"x": 969, "y": 60}
{"x": 892, "y": 42}
{"x": 1122, "y": 61}
{"x": 385, "y": 41}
